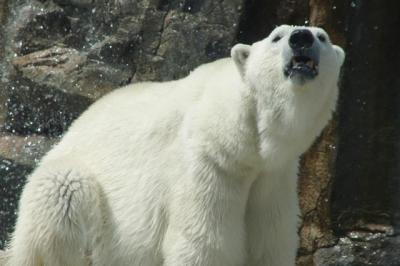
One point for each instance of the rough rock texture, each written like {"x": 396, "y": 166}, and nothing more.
{"x": 62, "y": 55}
{"x": 315, "y": 190}
{"x": 58, "y": 56}
{"x": 25, "y": 149}
{"x": 369, "y": 150}
{"x": 12, "y": 181}
{"x": 361, "y": 249}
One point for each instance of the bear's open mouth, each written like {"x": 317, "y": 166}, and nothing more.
{"x": 301, "y": 65}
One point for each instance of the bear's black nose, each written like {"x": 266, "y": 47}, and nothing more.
{"x": 301, "y": 39}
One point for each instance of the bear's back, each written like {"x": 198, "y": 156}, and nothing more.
{"x": 135, "y": 120}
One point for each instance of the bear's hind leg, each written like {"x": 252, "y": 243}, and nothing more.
{"x": 59, "y": 217}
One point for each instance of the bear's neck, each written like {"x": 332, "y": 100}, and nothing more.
{"x": 286, "y": 123}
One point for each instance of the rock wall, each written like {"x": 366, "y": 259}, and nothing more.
{"x": 58, "y": 56}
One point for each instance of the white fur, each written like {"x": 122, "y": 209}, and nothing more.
{"x": 198, "y": 171}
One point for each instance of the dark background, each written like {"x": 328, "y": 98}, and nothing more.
{"x": 58, "y": 56}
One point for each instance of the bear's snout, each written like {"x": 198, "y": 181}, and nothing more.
{"x": 302, "y": 61}
{"x": 301, "y": 39}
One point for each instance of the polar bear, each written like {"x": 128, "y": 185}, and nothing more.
{"x": 198, "y": 171}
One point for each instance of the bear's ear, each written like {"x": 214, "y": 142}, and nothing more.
{"x": 340, "y": 54}
{"x": 240, "y": 53}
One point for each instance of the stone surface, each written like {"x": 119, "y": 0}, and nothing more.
{"x": 25, "y": 150}
{"x": 37, "y": 26}
{"x": 366, "y": 189}
{"x": 3, "y": 108}
{"x": 47, "y": 89}
{"x": 12, "y": 179}
{"x": 261, "y": 17}
{"x": 62, "y": 52}
{"x": 375, "y": 249}
{"x": 43, "y": 110}
{"x": 315, "y": 190}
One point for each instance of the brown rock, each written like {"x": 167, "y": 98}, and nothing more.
{"x": 25, "y": 150}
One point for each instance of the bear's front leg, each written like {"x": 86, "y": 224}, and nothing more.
{"x": 206, "y": 221}
{"x": 272, "y": 219}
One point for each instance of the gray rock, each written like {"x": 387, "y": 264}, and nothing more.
{"x": 51, "y": 87}
{"x": 77, "y": 3}
{"x": 192, "y": 33}
{"x": 66, "y": 54}
{"x": 12, "y": 179}
{"x": 36, "y": 26}
{"x": 70, "y": 71}
{"x": 40, "y": 109}
{"x": 375, "y": 249}
{"x": 3, "y": 109}
{"x": 177, "y": 46}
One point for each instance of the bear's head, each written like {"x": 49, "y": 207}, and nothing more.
{"x": 295, "y": 56}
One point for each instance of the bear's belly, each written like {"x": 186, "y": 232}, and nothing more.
{"x": 134, "y": 228}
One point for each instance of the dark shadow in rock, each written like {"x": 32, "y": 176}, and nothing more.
{"x": 12, "y": 179}
{"x": 375, "y": 249}
{"x": 38, "y": 26}
{"x": 261, "y": 17}
{"x": 367, "y": 187}
{"x": 41, "y": 110}
{"x": 189, "y": 6}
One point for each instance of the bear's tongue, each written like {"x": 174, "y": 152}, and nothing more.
{"x": 303, "y": 60}
{"x": 301, "y": 66}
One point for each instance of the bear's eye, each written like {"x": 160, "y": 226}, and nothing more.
{"x": 322, "y": 38}
{"x": 276, "y": 38}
